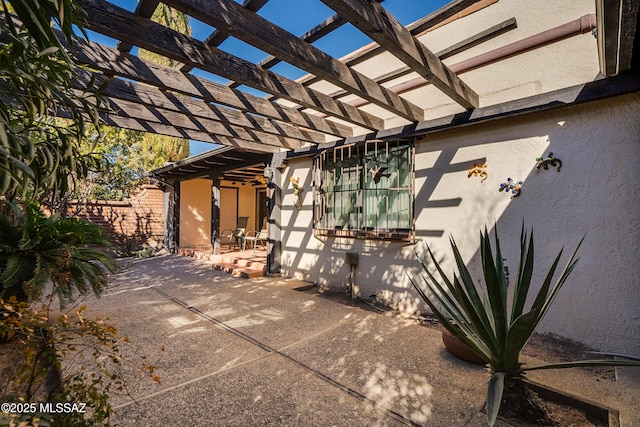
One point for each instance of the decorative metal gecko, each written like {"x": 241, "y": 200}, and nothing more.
{"x": 512, "y": 186}
{"x": 297, "y": 191}
{"x": 549, "y": 161}
{"x": 379, "y": 173}
{"x": 479, "y": 170}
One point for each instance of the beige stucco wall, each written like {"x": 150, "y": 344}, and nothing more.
{"x": 195, "y": 209}
{"x": 596, "y": 193}
{"x": 246, "y": 202}
{"x": 195, "y": 212}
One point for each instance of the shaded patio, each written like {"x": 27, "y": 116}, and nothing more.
{"x": 259, "y": 352}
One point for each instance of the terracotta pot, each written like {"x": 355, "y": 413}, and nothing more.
{"x": 459, "y": 349}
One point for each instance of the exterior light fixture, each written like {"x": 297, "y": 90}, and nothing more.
{"x": 268, "y": 174}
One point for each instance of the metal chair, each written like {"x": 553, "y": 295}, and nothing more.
{"x": 257, "y": 237}
{"x": 237, "y": 236}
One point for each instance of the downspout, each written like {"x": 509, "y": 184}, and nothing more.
{"x": 579, "y": 26}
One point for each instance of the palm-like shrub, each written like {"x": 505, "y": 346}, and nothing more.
{"x": 36, "y": 250}
{"x": 493, "y": 327}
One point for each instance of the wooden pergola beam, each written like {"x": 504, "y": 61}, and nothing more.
{"x": 144, "y": 8}
{"x": 454, "y": 49}
{"x": 218, "y": 37}
{"x": 263, "y": 34}
{"x": 416, "y": 28}
{"x": 378, "y": 24}
{"x": 116, "y": 22}
{"x": 155, "y": 98}
{"x": 148, "y": 114}
{"x": 170, "y": 130}
{"x": 332, "y": 23}
{"x": 109, "y": 61}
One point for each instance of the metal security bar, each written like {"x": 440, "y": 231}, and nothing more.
{"x": 365, "y": 190}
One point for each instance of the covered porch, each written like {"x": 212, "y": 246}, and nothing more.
{"x": 216, "y": 206}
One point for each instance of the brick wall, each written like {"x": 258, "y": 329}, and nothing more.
{"x": 132, "y": 223}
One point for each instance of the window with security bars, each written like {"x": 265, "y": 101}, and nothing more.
{"x": 365, "y": 190}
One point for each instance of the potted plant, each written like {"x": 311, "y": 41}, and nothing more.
{"x": 493, "y": 329}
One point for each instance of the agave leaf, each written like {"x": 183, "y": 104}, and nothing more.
{"x": 523, "y": 278}
{"x": 500, "y": 268}
{"x": 449, "y": 319}
{"x": 495, "y": 389}
{"x": 473, "y": 309}
{"x": 541, "y": 297}
{"x": 495, "y": 291}
{"x": 476, "y": 328}
{"x": 451, "y": 294}
{"x": 571, "y": 264}
{"x": 519, "y": 334}
{"x": 581, "y": 363}
{"x": 475, "y": 306}
{"x": 449, "y": 306}
{"x": 449, "y": 311}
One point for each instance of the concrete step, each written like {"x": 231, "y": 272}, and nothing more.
{"x": 239, "y": 262}
{"x": 194, "y": 253}
{"x": 236, "y": 271}
{"x": 245, "y": 266}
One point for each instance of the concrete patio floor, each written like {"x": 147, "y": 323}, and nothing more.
{"x": 257, "y": 352}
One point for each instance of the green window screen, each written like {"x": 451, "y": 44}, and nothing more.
{"x": 365, "y": 188}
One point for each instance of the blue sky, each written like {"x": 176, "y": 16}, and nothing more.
{"x": 297, "y": 17}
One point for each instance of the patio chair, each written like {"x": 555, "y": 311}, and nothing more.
{"x": 237, "y": 236}
{"x": 257, "y": 237}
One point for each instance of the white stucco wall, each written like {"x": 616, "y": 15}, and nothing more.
{"x": 597, "y": 193}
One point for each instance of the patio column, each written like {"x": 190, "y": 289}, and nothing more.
{"x": 274, "y": 248}
{"x": 215, "y": 214}
{"x": 169, "y": 209}
{"x": 176, "y": 216}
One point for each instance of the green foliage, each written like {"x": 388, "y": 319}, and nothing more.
{"x": 36, "y": 250}
{"x": 127, "y": 155}
{"x": 145, "y": 252}
{"x": 170, "y": 18}
{"x": 483, "y": 320}
{"x": 91, "y": 350}
{"x": 38, "y": 153}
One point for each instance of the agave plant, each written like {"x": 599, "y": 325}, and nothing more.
{"x": 36, "y": 250}
{"x": 484, "y": 320}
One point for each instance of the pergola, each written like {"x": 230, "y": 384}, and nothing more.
{"x": 174, "y": 101}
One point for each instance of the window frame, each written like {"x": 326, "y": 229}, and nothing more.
{"x": 331, "y": 189}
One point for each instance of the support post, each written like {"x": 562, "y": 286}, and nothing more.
{"x": 215, "y": 215}
{"x": 274, "y": 248}
{"x": 170, "y": 242}
{"x": 176, "y": 217}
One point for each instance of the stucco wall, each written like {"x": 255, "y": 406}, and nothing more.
{"x": 596, "y": 193}
{"x": 195, "y": 213}
{"x": 246, "y": 202}
{"x": 563, "y": 63}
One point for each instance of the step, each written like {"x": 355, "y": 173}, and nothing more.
{"x": 239, "y": 262}
{"x": 235, "y": 271}
{"x": 241, "y": 267}
{"x": 194, "y": 253}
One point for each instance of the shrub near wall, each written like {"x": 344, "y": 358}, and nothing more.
{"x": 133, "y": 223}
